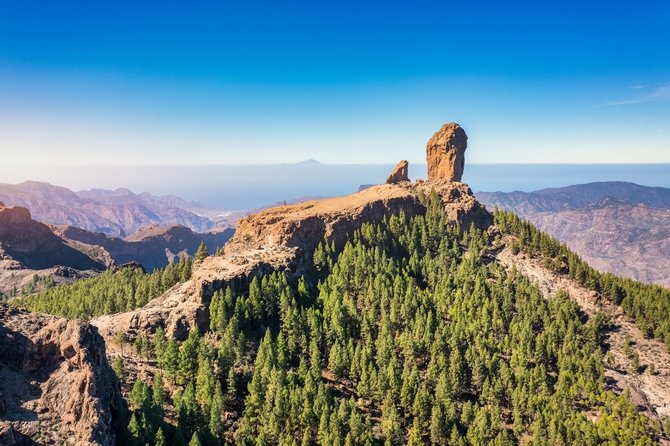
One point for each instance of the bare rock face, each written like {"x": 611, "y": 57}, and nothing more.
{"x": 56, "y": 385}
{"x": 34, "y": 245}
{"x": 445, "y": 153}
{"x": 460, "y": 204}
{"x": 399, "y": 173}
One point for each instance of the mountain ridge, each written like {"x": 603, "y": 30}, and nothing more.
{"x": 385, "y": 318}
{"x": 617, "y": 226}
{"x": 118, "y": 213}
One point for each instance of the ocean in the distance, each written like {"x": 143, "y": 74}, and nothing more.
{"x": 236, "y": 187}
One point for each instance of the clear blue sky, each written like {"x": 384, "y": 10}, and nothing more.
{"x": 139, "y": 82}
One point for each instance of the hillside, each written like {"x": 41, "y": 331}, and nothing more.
{"x": 116, "y": 213}
{"x": 619, "y": 227}
{"x": 31, "y": 252}
{"x": 379, "y": 318}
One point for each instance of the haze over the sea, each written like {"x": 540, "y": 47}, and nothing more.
{"x": 236, "y": 187}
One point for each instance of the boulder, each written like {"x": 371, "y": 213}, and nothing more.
{"x": 399, "y": 173}
{"x": 445, "y": 153}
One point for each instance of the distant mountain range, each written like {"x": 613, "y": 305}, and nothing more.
{"x": 616, "y": 226}
{"x": 117, "y": 213}
{"x": 153, "y": 247}
{"x": 66, "y": 253}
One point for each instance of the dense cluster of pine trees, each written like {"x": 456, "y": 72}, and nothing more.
{"x": 110, "y": 292}
{"x": 408, "y": 338}
{"x": 648, "y": 305}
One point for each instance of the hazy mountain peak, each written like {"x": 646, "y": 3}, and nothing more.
{"x": 310, "y": 161}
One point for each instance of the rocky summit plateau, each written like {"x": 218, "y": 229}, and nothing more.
{"x": 330, "y": 321}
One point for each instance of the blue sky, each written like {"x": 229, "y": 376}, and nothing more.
{"x": 343, "y": 82}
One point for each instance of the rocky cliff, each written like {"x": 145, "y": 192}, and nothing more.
{"x": 31, "y": 244}
{"x": 56, "y": 386}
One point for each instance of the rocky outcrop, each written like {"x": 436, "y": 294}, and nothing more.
{"x": 399, "y": 173}
{"x": 445, "y": 153}
{"x": 33, "y": 245}
{"x": 460, "y": 205}
{"x": 55, "y": 382}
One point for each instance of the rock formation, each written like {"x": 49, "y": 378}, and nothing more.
{"x": 445, "y": 153}
{"x": 33, "y": 245}
{"x": 56, "y": 385}
{"x": 283, "y": 238}
{"x": 399, "y": 173}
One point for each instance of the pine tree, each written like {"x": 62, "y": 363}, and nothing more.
{"x": 119, "y": 369}
{"x": 159, "y": 342}
{"x": 159, "y": 397}
{"x": 160, "y": 438}
{"x": 188, "y": 356}
{"x": 390, "y": 421}
{"x": 202, "y": 253}
{"x": 135, "y": 431}
{"x": 139, "y": 397}
{"x": 215, "y": 422}
{"x": 231, "y": 386}
{"x": 205, "y": 384}
{"x": 170, "y": 360}
{"x": 195, "y": 440}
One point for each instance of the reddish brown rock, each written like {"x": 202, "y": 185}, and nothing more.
{"x": 56, "y": 384}
{"x": 445, "y": 153}
{"x": 399, "y": 173}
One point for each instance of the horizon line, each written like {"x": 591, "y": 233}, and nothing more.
{"x": 318, "y": 163}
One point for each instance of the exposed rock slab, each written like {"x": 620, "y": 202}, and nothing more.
{"x": 445, "y": 153}
{"x": 56, "y": 384}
